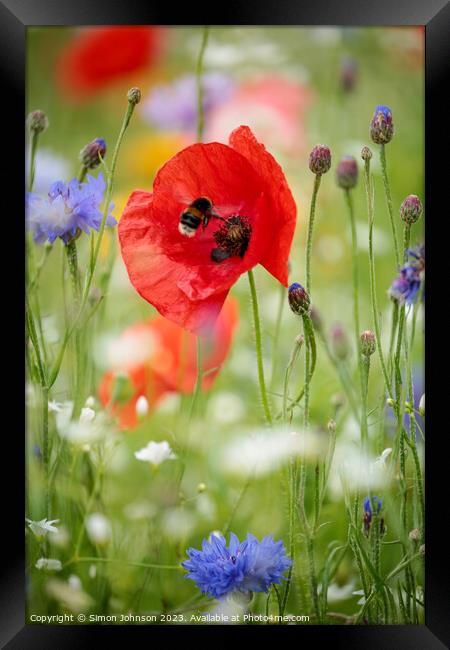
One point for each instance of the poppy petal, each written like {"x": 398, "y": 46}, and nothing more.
{"x": 284, "y": 210}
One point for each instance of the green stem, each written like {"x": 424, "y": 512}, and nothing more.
{"x": 276, "y": 336}
{"x": 356, "y": 324}
{"x": 387, "y": 191}
{"x": 198, "y": 382}
{"x": 200, "y": 112}
{"x": 373, "y": 290}
{"x": 144, "y": 565}
{"x": 312, "y": 213}
{"x": 46, "y": 451}
{"x": 33, "y": 150}
{"x": 294, "y": 355}
{"x": 258, "y": 345}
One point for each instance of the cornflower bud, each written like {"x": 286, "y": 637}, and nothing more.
{"x": 347, "y": 172}
{"x": 299, "y": 300}
{"x": 134, "y": 95}
{"x": 339, "y": 341}
{"x": 90, "y": 154}
{"x": 382, "y": 126}
{"x": 37, "y": 121}
{"x": 366, "y": 153}
{"x": 411, "y": 209}
{"x": 320, "y": 159}
{"x": 367, "y": 343}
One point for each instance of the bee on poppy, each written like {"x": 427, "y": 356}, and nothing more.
{"x": 198, "y": 212}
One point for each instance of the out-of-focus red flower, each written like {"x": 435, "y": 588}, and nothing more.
{"x": 275, "y": 109}
{"x": 160, "y": 357}
{"x": 177, "y": 274}
{"x": 99, "y": 56}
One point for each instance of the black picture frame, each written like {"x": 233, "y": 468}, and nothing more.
{"x": 15, "y": 17}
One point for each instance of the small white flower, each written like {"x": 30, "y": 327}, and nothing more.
{"x": 42, "y": 527}
{"x": 54, "y": 407}
{"x": 75, "y": 582}
{"x": 98, "y": 528}
{"x": 69, "y": 594}
{"x": 90, "y": 402}
{"x": 381, "y": 460}
{"x": 155, "y": 453}
{"x": 360, "y": 592}
{"x": 336, "y": 593}
{"x": 49, "y": 564}
{"x": 141, "y": 406}
{"x": 87, "y": 415}
{"x": 92, "y": 571}
{"x": 422, "y": 406}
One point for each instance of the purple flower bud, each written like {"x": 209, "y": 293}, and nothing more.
{"x": 134, "y": 95}
{"x": 348, "y": 74}
{"x": 316, "y": 319}
{"x": 411, "y": 209}
{"x": 347, "y": 172}
{"x": 90, "y": 154}
{"x": 37, "y": 121}
{"x": 299, "y": 300}
{"x": 339, "y": 341}
{"x": 366, "y": 154}
{"x": 367, "y": 343}
{"x": 382, "y": 126}
{"x": 320, "y": 159}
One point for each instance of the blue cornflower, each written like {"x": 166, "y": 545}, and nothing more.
{"x": 67, "y": 209}
{"x": 218, "y": 569}
{"x": 408, "y": 282}
{"x": 368, "y": 506}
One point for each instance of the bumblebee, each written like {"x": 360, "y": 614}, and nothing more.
{"x": 198, "y": 212}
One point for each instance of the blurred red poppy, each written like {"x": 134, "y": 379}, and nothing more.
{"x": 183, "y": 277}
{"x": 99, "y": 56}
{"x": 159, "y": 357}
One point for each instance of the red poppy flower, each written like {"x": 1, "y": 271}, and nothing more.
{"x": 159, "y": 357}
{"x": 98, "y": 56}
{"x": 181, "y": 276}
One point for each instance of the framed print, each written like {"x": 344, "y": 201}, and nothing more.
{"x": 224, "y": 323}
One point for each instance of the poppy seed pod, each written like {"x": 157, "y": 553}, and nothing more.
{"x": 299, "y": 300}
{"x": 37, "y": 121}
{"x": 367, "y": 343}
{"x": 382, "y": 126}
{"x": 347, "y": 172}
{"x": 411, "y": 209}
{"x": 90, "y": 154}
{"x": 320, "y": 159}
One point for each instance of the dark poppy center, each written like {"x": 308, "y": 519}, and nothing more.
{"x": 232, "y": 238}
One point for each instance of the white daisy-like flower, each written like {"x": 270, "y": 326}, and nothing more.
{"x": 98, "y": 528}
{"x": 360, "y": 592}
{"x": 155, "y": 453}
{"x": 49, "y": 564}
{"x": 42, "y": 527}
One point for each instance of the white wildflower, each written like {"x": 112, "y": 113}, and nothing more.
{"x": 49, "y": 564}
{"x": 141, "y": 406}
{"x": 155, "y": 453}
{"x": 42, "y": 527}
{"x": 98, "y": 528}
{"x": 69, "y": 594}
